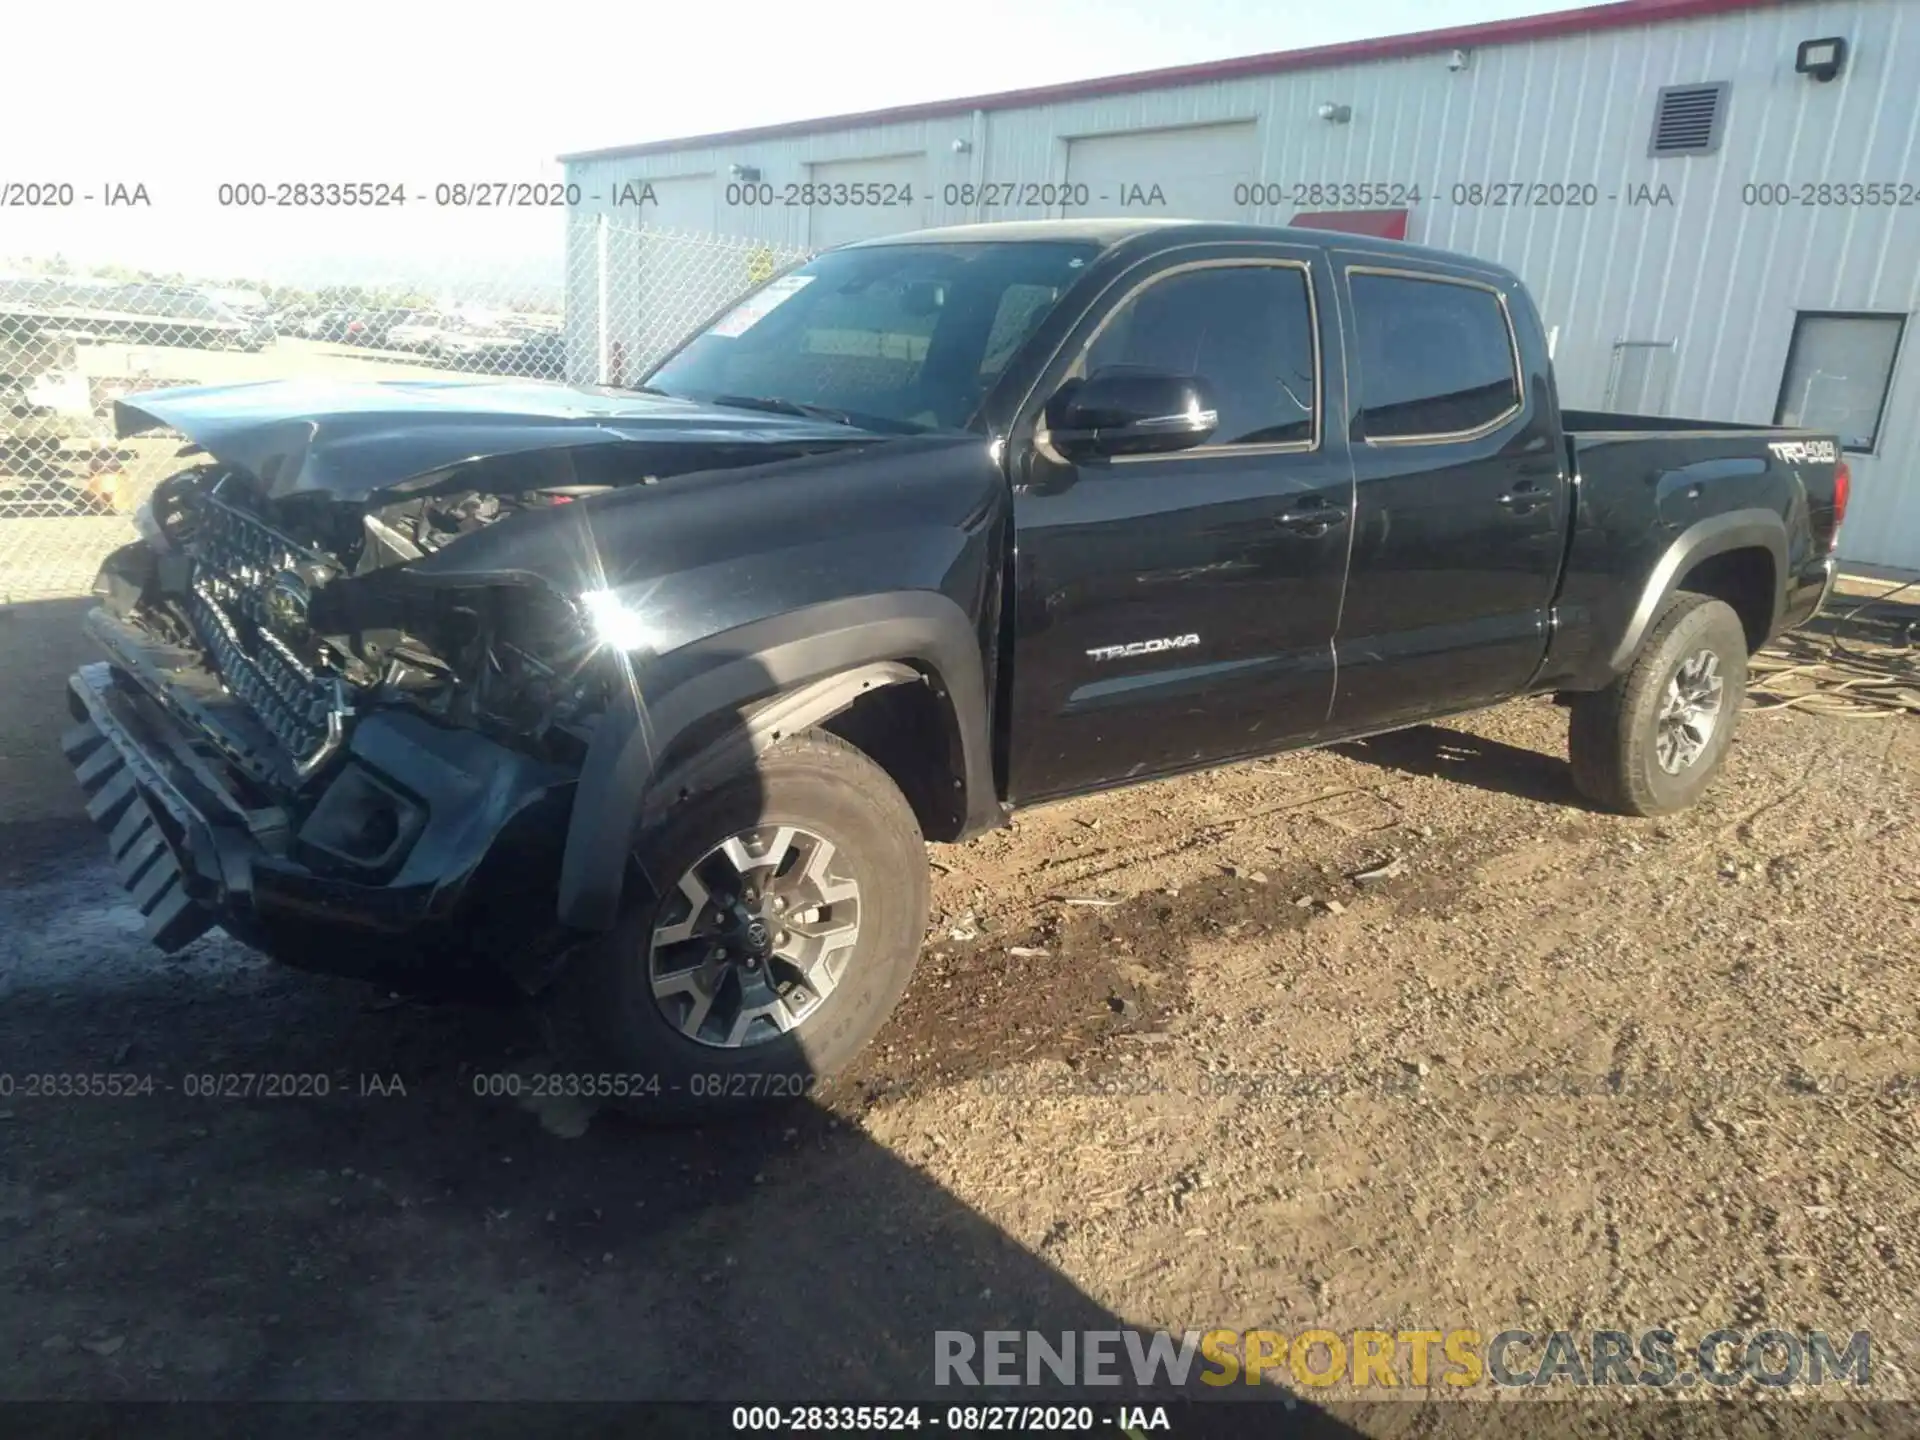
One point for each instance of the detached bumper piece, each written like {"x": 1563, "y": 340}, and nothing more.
{"x": 379, "y": 851}
{"x": 151, "y": 830}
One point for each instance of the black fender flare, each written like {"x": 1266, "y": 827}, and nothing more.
{"x": 1716, "y": 535}
{"x": 817, "y": 660}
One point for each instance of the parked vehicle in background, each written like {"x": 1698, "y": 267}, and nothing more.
{"x": 249, "y": 303}
{"x": 374, "y": 328}
{"x": 461, "y": 337}
{"x": 643, "y": 705}
{"x": 259, "y": 332}
{"x": 143, "y": 313}
{"x": 511, "y": 347}
{"x": 182, "y": 316}
{"x": 328, "y": 325}
{"x": 420, "y": 331}
{"x": 46, "y": 406}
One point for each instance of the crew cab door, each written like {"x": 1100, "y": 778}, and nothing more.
{"x": 1175, "y": 610}
{"x": 1461, "y": 493}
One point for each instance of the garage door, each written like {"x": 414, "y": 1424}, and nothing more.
{"x": 1195, "y": 169}
{"x": 833, "y": 222}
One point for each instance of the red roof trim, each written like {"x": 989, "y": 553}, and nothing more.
{"x": 1381, "y": 224}
{"x": 1391, "y": 47}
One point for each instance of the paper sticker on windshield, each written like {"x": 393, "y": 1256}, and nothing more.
{"x": 762, "y": 303}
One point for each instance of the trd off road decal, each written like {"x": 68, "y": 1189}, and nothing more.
{"x": 1805, "y": 452}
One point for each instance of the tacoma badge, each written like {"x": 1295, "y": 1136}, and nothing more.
{"x": 1143, "y": 647}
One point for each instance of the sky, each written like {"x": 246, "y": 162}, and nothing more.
{"x": 180, "y": 100}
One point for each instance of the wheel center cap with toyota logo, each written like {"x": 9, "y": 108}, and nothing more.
{"x": 759, "y": 938}
{"x": 287, "y": 600}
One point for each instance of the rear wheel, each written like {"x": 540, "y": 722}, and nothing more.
{"x": 1651, "y": 742}
{"x": 792, "y": 902}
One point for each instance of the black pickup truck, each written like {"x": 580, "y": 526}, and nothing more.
{"x": 643, "y": 701}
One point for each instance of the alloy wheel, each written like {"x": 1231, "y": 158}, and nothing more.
{"x": 754, "y": 937}
{"x": 1690, "y": 712}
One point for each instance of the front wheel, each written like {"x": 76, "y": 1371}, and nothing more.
{"x": 791, "y": 903}
{"x": 1651, "y": 742}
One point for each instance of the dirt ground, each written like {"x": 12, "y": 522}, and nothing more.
{"x": 1551, "y": 1069}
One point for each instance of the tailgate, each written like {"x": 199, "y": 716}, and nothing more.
{"x": 1817, "y": 461}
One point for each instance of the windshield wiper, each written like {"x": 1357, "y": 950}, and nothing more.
{"x": 775, "y": 405}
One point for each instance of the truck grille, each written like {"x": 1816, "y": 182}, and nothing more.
{"x": 237, "y": 558}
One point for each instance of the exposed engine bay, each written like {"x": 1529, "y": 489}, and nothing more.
{"x": 303, "y": 609}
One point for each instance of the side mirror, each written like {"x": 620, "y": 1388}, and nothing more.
{"x": 1130, "y": 412}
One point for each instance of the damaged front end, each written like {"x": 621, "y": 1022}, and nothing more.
{"x": 333, "y": 754}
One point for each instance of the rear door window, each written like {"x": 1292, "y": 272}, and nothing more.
{"x": 1436, "y": 357}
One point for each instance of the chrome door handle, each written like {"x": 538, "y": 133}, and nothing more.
{"x": 1524, "y": 498}
{"x": 1311, "y": 520}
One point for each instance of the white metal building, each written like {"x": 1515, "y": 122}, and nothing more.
{"x": 1720, "y": 219}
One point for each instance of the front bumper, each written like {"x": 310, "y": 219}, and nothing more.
{"x": 382, "y": 845}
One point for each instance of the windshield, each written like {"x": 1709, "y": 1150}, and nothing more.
{"x": 898, "y": 337}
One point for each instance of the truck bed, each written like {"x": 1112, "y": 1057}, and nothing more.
{"x": 1669, "y": 465}
{"x": 1616, "y": 422}
{"x": 1645, "y": 483}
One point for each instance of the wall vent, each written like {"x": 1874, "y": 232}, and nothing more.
{"x": 1688, "y": 118}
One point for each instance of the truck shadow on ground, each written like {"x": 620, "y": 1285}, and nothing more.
{"x": 1448, "y": 754}
{"x": 223, "y": 1180}
{"x": 401, "y": 1231}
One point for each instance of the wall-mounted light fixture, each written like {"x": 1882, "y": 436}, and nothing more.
{"x": 1821, "y": 59}
{"x": 962, "y": 146}
{"x": 1459, "y": 60}
{"x": 1335, "y": 114}
{"x": 748, "y": 173}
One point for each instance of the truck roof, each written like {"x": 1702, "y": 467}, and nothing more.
{"x": 1087, "y": 231}
{"x": 1108, "y": 233}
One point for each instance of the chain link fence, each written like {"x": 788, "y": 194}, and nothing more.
{"x": 71, "y": 344}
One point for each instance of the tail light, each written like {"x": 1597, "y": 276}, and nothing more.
{"x": 1842, "y": 493}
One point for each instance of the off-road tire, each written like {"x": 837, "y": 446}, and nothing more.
{"x": 1612, "y": 734}
{"x": 603, "y": 1020}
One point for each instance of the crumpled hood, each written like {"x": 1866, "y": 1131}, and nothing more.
{"x": 356, "y": 439}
